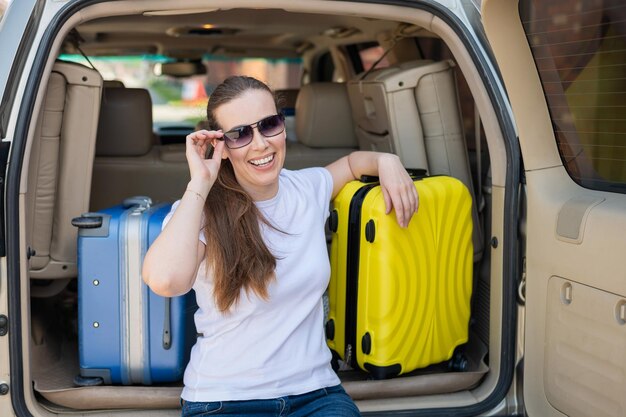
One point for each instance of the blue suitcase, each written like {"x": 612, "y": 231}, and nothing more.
{"x": 127, "y": 334}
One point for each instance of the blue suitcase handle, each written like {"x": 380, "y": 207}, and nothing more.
{"x": 88, "y": 221}
{"x": 138, "y": 200}
{"x": 167, "y": 325}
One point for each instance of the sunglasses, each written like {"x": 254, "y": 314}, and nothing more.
{"x": 241, "y": 136}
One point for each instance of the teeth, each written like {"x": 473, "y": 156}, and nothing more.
{"x": 263, "y": 161}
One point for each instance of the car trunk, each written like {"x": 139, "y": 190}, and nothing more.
{"x": 51, "y": 354}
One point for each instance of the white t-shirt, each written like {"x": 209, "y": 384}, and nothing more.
{"x": 268, "y": 349}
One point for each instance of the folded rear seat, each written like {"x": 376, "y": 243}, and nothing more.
{"x": 59, "y": 171}
{"x": 128, "y": 162}
{"x": 324, "y": 127}
{"x": 413, "y": 110}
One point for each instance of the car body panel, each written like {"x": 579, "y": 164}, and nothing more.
{"x": 575, "y": 280}
{"x": 15, "y": 35}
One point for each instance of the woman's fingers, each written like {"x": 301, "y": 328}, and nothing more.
{"x": 218, "y": 151}
{"x": 197, "y": 144}
{"x": 203, "y": 137}
{"x": 404, "y": 199}
{"x": 410, "y": 198}
{"x": 402, "y": 207}
{"x": 398, "y": 188}
{"x": 199, "y": 141}
{"x": 409, "y": 202}
{"x": 388, "y": 200}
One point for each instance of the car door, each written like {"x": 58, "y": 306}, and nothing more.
{"x": 564, "y": 66}
{"x": 20, "y": 22}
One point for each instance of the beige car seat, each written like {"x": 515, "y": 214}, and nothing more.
{"x": 413, "y": 110}
{"x": 128, "y": 162}
{"x": 324, "y": 127}
{"x": 59, "y": 177}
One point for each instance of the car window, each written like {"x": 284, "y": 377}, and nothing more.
{"x": 182, "y": 101}
{"x": 370, "y": 54}
{"x": 580, "y": 52}
{"x": 324, "y": 68}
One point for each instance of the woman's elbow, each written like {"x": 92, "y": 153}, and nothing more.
{"x": 163, "y": 284}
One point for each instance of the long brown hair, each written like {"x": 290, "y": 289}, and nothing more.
{"x": 235, "y": 248}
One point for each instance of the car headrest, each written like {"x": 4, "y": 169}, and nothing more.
{"x": 323, "y": 116}
{"x": 113, "y": 84}
{"x": 125, "y": 125}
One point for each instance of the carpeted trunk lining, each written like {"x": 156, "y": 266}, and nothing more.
{"x": 54, "y": 382}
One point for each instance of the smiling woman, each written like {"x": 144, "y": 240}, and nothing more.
{"x": 260, "y": 288}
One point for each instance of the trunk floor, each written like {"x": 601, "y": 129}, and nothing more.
{"x": 55, "y": 382}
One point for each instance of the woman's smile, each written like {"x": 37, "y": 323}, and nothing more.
{"x": 263, "y": 162}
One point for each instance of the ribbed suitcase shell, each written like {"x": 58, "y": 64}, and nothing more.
{"x": 126, "y": 335}
{"x": 402, "y": 301}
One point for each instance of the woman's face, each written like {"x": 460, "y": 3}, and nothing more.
{"x": 258, "y": 164}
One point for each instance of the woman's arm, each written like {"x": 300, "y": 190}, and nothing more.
{"x": 172, "y": 261}
{"x": 397, "y": 186}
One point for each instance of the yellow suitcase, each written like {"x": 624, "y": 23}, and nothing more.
{"x": 400, "y": 298}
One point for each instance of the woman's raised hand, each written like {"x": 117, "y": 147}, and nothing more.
{"x": 204, "y": 171}
{"x": 398, "y": 188}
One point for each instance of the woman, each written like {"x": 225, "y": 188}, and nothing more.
{"x": 248, "y": 236}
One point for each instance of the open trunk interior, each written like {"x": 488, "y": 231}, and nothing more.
{"x": 68, "y": 169}
{"x": 55, "y": 366}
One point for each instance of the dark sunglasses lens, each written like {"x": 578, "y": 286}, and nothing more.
{"x": 272, "y": 126}
{"x": 238, "y": 137}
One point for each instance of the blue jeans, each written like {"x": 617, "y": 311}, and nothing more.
{"x": 325, "y": 402}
